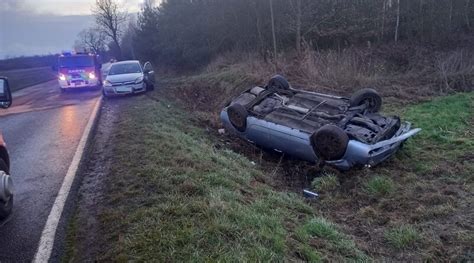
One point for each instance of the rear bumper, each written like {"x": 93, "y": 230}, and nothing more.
{"x": 125, "y": 89}
{"x": 359, "y": 153}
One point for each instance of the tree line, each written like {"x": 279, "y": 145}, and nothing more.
{"x": 189, "y": 33}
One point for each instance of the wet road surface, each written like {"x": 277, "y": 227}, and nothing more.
{"x": 42, "y": 130}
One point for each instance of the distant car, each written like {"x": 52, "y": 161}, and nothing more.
{"x": 6, "y": 184}
{"x": 128, "y": 77}
{"x": 319, "y": 128}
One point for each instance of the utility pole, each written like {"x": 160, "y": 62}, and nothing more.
{"x": 273, "y": 34}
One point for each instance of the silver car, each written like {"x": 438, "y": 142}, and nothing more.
{"x": 128, "y": 77}
{"x": 319, "y": 128}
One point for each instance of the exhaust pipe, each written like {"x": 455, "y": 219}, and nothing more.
{"x": 6, "y": 186}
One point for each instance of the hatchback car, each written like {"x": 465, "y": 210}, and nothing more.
{"x": 319, "y": 128}
{"x": 128, "y": 77}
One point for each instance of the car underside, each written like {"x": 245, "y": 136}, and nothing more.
{"x": 309, "y": 112}
{"x": 330, "y": 124}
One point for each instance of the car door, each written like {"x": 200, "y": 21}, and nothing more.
{"x": 149, "y": 73}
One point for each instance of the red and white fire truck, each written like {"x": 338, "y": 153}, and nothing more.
{"x": 79, "y": 70}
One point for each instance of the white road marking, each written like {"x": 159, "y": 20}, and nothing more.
{"x": 45, "y": 247}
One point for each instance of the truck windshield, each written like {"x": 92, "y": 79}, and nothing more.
{"x": 76, "y": 62}
{"x": 118, "y": 69}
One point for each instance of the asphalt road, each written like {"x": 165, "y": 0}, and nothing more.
{"x": 42, "y": 130}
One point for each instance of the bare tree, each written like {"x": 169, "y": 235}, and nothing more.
{"x": 397, "y": 25}
{"x": 298, "y": 26}
{"x": 91, "y": 39}
{"x": 466, "y": 14}
{"x": 422, "y": 22}
{"x": 110, "y": 20}
{"x": 273, "y": 32}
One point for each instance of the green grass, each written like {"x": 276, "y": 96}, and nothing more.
{"x": 403, "y": 236}
{"x": 22, "y": 78}
{"x": 325, "y": 183}
{"x": 379, "y": 186}
{"x": 320, "y": 227}
{"x": 173, "y": 196}
{"x": 445, "y": 120}
{"x": 447, "y": 135}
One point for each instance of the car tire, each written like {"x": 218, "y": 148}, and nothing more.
{"x": 104, "y": 93}
{"x": 5, "y": 207}
{"x": 329, "y": 142}
{"x": 238, "y": 116}
{"x": 279, "y": 82}
{"x": 367, "y": 96}
{"x": 63, "y": 90}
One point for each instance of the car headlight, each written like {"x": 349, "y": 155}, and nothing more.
{"x": 62, "y": 77}
{"x": 91, "y": 75}
{"x": 107, "y": 83}
{"x": 139, "y": 80}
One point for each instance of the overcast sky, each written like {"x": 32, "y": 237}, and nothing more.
{"x": 36, "y": 27}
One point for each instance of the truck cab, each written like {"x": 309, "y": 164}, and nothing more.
{"x": 6, "y": 184}
{"x": 79, "y": 70}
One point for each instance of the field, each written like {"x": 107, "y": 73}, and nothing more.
{"x": 176, "y": 190}
{"x": 22, "y": 78}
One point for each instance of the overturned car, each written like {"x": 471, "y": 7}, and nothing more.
{"x": 319, "y": 128}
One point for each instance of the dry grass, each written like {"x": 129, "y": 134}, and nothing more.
{"x": 402, "y": 74}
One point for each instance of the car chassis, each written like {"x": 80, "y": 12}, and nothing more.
{"x": 319, "y": 128}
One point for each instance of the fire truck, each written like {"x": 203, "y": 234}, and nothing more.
{"x": 79, "y": 70}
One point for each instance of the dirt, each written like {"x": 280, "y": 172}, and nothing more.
{"x": 88, "y": 239}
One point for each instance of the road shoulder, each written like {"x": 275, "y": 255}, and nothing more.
{"x": 48, "y": 236}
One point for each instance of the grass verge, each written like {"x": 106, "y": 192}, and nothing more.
{"x": 173, "y": 194}
{"x": 426, "y": 185}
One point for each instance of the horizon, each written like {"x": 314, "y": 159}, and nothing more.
{"x": 29, "y": 28}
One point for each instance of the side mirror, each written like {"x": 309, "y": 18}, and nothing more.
{"x": 5, "y": 93}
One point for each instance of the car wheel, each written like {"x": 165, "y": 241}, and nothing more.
{"x": 63, "y": 90}
{"x": 279, "y": 82}
{"x": 104, "y": 93}
{"x": 329, "y": 142}
{"x": 238, "y": 116}
{"x": 367, "y": 96}
{"x": 5, "y": 207}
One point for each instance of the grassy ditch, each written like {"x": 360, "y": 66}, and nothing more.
{"x": 178, "y": 191}
{"x": 410, "y": 208}
{"x": 173, "y": 194}
{"x": 22, "y": 78}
